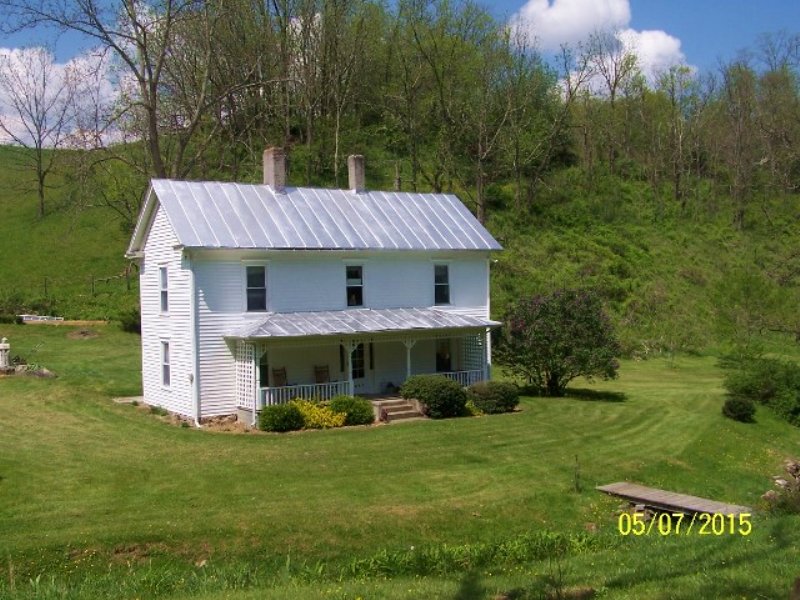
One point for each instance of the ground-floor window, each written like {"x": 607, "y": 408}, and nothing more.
{"x": 165, "y": 364}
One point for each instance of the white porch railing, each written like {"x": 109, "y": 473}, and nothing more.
{"x": 465, "y": 378}
{"x": 316, "y": 391}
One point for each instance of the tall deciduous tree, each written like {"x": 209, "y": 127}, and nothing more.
{"x": 39, "y": 110}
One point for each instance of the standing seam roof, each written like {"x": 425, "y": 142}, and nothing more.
{"x": 231, "y": 215}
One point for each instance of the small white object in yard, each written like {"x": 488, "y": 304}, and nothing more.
{"x": 5, "y": 351}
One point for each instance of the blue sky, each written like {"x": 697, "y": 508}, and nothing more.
{"x": 706, "y": 31}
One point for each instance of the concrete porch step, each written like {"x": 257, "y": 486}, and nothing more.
{"x": 396, "y": 409}
{"x": 391, "y": 402}
{"x": 404, "y": 415}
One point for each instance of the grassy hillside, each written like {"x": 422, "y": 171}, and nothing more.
{"x": 664, "y": 272}
{"x": 102, "y": 500}
{"x": 68, "y": 248}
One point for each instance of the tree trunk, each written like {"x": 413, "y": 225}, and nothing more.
{"x": 554, "y": 386}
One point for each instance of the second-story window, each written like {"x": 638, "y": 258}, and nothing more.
{"x": 355, "y": 285}
{"x": 441, "y": 284}
{"x": 256, "y": 288}
{"x": 163, "y": 282}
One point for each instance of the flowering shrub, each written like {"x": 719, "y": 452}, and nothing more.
{"x": 318, "y": 415}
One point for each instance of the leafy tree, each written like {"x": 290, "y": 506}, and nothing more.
{"x": 39, "y": 99}
{"x": 550, "y": 340}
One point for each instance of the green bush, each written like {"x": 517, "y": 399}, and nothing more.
{"x": 280, "y": 417}
{"x": 317, "y": 415}
{"x": 739, "y": 409}
{"x": 131, "y": 321}
{"x": 774, "y": 383}
{"x": 357, "y": 411}
{"x": 441, "y": 397}
{"x": 492, "y": 397}
{"x": 761, "y": 380}
{"x": 9, "y": 318}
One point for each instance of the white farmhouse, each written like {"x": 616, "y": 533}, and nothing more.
{"x": 257, "y": 294}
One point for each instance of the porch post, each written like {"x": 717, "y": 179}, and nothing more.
{"x": 487, "y": 352}
{"x": 259, "y": 353}
{"x": 409, "y": 344}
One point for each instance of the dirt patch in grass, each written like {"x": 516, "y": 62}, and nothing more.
{"x": 82, "y": 334}
{"x": 76, "y": 323}
{"x": 228, "y": 423}
{"x": 127, "y": 554}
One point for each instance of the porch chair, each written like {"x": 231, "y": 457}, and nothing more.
{"x": 279, "y": 378}
{"x": 321, "y": 374}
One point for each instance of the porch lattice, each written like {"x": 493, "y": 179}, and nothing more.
{"x": 474, "y": 352}
{"x": 245, "y": 375}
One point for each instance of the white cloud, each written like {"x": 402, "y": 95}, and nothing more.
{"x": 656, "y": 50}
{"x": 555, "y": 22}
{"x": 91, "y": 90}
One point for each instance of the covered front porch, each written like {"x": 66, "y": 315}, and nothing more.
{"x": 275, "y": 369}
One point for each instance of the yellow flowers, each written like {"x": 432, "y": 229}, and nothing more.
{"x": 317, "y": 415}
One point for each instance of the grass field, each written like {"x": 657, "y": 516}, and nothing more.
{"x": 99, "y": 499}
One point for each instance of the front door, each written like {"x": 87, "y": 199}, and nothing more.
{"x": 362, "y": 368}
{"x": 444, "y": 359}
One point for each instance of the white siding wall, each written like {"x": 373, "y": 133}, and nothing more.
{"x": 307, "y": 281}
{"x": 173, "y": 327}
{"x": 219, "y": 285}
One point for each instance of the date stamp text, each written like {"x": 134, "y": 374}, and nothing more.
{"x": 665, "y": 524}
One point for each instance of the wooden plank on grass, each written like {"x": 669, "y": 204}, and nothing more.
{"x": 670, "y": 501}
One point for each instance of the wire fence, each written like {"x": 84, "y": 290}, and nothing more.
{"x": 48, "y": 286}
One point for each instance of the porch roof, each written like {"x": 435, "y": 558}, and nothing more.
{"x": 358, "y": 320}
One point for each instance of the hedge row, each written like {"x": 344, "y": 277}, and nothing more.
{"x": 308, "y": 414}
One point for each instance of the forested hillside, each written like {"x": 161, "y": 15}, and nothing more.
{"x": 674, "y": 194}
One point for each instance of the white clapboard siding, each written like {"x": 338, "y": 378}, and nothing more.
{"x": 220, "y": 288}
{"x": 173, "y": 327}
{"x": 298, "y": 281}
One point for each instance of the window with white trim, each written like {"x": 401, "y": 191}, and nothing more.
{"x": 165, "y": 365}
{"x": 441, "y": 284}
{"x": 355, "y": 285}
{"x": 163, "y": 284}
{"x": 256, "y": 287}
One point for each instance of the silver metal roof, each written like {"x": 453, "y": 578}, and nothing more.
{"x": 235, "y": 215}
{"x": 358, "y": 320}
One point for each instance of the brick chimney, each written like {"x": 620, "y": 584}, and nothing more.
{"x": 275, "y": 169}
{"x": 355, "y": 172}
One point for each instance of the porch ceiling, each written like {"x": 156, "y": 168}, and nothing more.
{"x": 358, "y": 321}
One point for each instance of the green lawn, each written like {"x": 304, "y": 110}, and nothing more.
{"x": 105, "y": 500}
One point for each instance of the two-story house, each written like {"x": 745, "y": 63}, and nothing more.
{"x": 257, "y": 294}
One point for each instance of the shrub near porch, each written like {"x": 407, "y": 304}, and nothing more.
{"x": 440, "y": 396}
